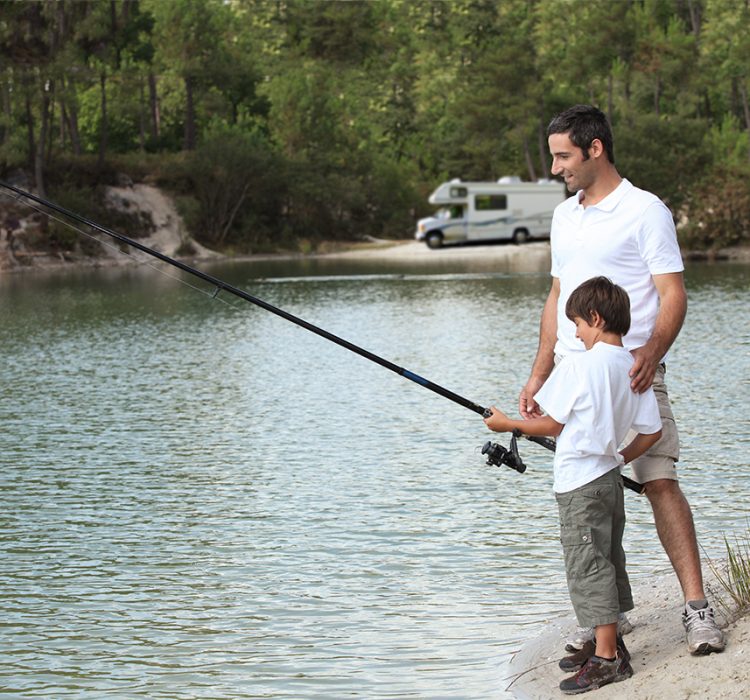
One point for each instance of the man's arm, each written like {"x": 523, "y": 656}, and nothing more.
{"x": 672, "y": 310}
{"x": 545, "y": 355}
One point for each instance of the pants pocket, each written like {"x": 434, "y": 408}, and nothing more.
{"x": 578, "y": 551}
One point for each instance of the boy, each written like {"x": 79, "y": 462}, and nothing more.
{"x": 590, "y": 408}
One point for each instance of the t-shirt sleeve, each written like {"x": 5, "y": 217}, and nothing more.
{"x": 657, "y": 240}
{"x": 560, "y": 392}
{"x": 647, "y": 420}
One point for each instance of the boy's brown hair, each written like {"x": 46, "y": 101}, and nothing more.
{"x": 602, "y": 296}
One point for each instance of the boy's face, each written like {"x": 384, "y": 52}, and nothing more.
{"x": 587, "y": 332}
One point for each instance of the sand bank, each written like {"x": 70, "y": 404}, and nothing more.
{"x": 664, "y": 669}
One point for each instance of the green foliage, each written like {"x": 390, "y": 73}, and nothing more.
{"x": 662, "y": 154}
{"x": 718, "y": 212}
{"x": 234, "y": 185}
{"x": 278, "y": 120}
{"x": 734, "y": 576}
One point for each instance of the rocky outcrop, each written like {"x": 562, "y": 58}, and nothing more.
{"x": 24, "y": 241}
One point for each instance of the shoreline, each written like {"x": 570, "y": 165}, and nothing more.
{"x": 662, "y": 666}
{"x": 533, "y": 252}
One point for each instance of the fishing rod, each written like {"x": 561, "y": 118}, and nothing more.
{"x": 497, "y": 454}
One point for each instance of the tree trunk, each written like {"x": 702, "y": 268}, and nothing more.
{"x": 70, "y": 113}
{"x": 103, "y": 135}
{"x": 155, "y": 114}
{"x": 142, "y": 116}
{"x": 189, "y": 115}
{"x": 41, "y": 143}
{"x": 542, "y": 144}
{"x": 30, "y": 130}
{"x": 745, "y": 108}
{"x": 7, "y": 110}
{"x": 529, "y": 159}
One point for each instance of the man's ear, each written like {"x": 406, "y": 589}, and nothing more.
{"x": 596, "y": 149}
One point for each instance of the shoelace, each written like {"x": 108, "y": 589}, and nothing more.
{"x": 695, "y": 619}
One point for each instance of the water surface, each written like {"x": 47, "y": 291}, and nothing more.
{"x": 202, "y": 500}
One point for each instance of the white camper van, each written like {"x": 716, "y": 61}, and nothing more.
{"x": 490, "y": 211}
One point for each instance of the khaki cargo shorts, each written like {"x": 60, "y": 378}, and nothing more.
{"x": 659, "y": 461}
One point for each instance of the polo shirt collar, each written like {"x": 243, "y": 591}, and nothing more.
{"x": 611, "y": 200}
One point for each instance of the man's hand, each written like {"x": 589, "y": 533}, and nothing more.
{"x": 645, "y": 364}
{"x": 527, "y": 407}
{"x": 672, "y": 309}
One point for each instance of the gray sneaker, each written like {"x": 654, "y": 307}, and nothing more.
{"x": 703, "y": 635}
{"x": 582, "y": 635}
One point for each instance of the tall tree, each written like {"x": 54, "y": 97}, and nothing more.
{"x": 189, "y": 37}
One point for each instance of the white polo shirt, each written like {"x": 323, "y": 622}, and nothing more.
{"x": 589, "y": 392}
{"x": 628, "y": 237}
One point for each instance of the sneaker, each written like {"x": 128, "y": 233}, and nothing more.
{"x": 703, "y": 635}
{"x": 576, "y": 661}
{"x": 582, "y": 635}
{"x": 595, "y": 673}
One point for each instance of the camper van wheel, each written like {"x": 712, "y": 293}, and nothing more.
{"x": 520, "y": 235}
{"x": 434, "y": 239}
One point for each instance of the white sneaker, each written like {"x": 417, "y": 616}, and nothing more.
{"x": 582, "y": 635}
{"x": 703, "y": 634}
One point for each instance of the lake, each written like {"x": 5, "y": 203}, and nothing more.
{"x": 203, "y": 500}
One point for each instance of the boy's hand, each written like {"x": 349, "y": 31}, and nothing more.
{"x": 498, "y": 421}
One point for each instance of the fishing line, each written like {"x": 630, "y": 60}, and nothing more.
{"x": 144, "y": 261}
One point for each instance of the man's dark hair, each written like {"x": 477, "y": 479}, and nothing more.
{"x": 602, "y": 296}
{"x": 583, "y": 124}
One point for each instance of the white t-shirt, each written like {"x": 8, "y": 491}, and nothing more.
{"x": 628, "y": 237}
{"x": 590, "y": 393}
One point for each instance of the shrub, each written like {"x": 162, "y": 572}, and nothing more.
{"x": 718, "y": 213}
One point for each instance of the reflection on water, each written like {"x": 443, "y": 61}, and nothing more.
{"x": 200, "y": 501}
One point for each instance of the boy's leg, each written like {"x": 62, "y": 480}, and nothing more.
{"x": 617, "y": 556}
{"x": 586, "y": 529}
{"x": 606, "y": 641}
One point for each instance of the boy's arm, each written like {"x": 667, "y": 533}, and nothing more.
{"x": 639, "y": 445}
{"x": 538, "y": 427}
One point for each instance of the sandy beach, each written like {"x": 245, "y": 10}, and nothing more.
{"x": 663, "y": 667}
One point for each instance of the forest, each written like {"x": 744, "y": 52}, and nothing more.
{"x": 276, "y": 124}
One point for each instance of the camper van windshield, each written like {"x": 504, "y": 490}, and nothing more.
{"x": 453, "y": 212}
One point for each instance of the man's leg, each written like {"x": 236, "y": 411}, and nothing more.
{"x": 676, "y": 530}
{"x": 674, "y": 525}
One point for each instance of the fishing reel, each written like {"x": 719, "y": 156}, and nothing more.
{"x": 500, "y": 456}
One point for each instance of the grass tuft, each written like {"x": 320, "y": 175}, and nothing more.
{"x": 734, "y": 576}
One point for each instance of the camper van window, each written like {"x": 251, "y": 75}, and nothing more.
{"x": 459, "y": 191}
{"x": 486, "y": 202}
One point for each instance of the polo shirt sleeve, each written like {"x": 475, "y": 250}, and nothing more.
{"x": 657, "y": 240}
{"x": 559, "y": 394}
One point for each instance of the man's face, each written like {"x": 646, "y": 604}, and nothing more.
{"x": 568, "y": 161}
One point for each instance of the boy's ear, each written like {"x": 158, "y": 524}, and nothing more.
{"x": 596, "y": 320}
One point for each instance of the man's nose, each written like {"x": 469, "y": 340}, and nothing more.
{"x": 556, "y": 169}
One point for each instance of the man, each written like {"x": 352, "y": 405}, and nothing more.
{"x": 611, "y": 228}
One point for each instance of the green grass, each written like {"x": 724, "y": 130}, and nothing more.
{"x": 733, "y": 576}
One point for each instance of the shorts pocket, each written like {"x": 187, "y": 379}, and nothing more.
{"x": 579, "y": 552}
